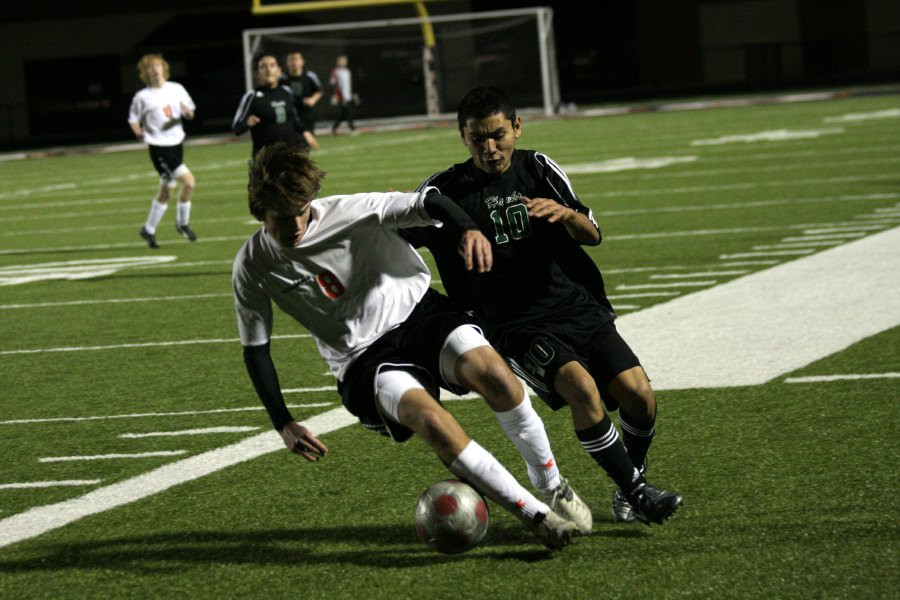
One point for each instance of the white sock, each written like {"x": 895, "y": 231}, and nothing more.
{"x": 479, "y": 468}
{"x": 183, "y": 217}
{"x": 526, "y": 430}
{"x": 157, "y": 210}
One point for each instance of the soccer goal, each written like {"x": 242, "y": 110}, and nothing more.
{"x": 422, "y": 66}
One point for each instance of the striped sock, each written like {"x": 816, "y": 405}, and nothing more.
{"x": 602, "y": 442}
{"x": 637, "y": 437}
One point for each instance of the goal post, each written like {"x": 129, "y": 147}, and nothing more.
{"x": 399, "y": 72}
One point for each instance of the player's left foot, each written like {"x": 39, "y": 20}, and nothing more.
{"x": 186, "y": 232}
{"x": 150, "y": 238}
{"x": 652, "y": 505}
{"x": 566, "y": 503}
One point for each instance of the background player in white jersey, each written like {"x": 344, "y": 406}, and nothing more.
{"x": 543, "y": 303}
{"x": 338, "y": 266}
{"x": 155, "y": 117}
{"x": 342, "y": 96}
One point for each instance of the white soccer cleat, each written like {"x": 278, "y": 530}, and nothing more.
{"x": 567, "y": 504}
{"x": 554, "y": 531}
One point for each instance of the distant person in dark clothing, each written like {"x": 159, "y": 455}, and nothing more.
{"x": 307, "y": 90}
{"x": 268, "y": 111}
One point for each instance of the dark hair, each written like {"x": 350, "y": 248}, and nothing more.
{"x": 282, "y": 178}
{"x": 484, "y": 101}
{"x": 259, "y": 57}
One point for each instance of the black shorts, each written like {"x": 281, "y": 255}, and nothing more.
{"x": 166, "y": 159}
{"x": 414, "y": 346}
{"x": 537, "y": 350}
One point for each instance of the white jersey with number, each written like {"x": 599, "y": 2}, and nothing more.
{"x": 351, "y": 279}
{"x": 158, "y": 111}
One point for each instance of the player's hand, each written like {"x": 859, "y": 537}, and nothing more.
{"x": 300, "y": 440}
{"x": 186, "y": 111}
{"x": 544, "y": 208}
{"x": 476, "y": 251}
{"x": 252, "y": 120}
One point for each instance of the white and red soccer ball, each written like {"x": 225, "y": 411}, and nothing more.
{"x": 452, "y": 517}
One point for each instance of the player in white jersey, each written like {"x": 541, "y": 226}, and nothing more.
{"x": 155, "y": 117}
{"x": 338, "y": 266}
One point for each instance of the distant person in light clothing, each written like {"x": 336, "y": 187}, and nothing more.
{"x": 155, "y": 118}
{"x": 342, "y": 95}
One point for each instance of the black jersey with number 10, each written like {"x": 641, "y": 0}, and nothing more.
{"x": 538, "y": 268}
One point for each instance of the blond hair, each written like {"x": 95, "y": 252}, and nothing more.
{"x": 144, "y": 64}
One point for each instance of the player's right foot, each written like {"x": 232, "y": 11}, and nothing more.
{"x": 567, "y": 504}
{"x": 621, "y": 509}
{"x": 652, "y": 505}
{"x": 150, "y": 238}
{"x": 554, "y": 531}
{"x": 186, "y": 232}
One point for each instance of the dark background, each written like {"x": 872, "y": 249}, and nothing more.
{"x": 68, "y": 67}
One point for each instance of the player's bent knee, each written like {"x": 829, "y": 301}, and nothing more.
{"x": 390, "y": 388}
{"x": 465, "y": 349}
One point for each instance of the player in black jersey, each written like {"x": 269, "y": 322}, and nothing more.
{"x": 543, "y": 302}
{"x": 268, "y": 111}
{"x": 307, "y": 90}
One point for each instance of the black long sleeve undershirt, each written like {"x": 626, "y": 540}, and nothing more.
{"x": 261, "y": 369}
{"x": 453, "y": 216}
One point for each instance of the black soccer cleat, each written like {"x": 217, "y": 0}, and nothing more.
{"x": 186, "y": 232}
{"x": 149, "y": 237}
{"x": 652, "y": 505}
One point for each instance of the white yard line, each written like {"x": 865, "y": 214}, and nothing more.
{"x": 794, "y": 245}
{"x": 181, "y": 432}
{"x": 848, "y": 377}
{"x": 745, "y": 205}
{"x": 764, "y": 254}
{"x": 703, "y": 274}
{"x": 642, "y": 295}
{"x": 751, "y": 330}
{"x": 38, "y": 520}
{"x": 143, "y": 345}
{"x": 48, "y": 484}
{"x": 116, "y": 456}
{"x": 158, "y": 414}
{"x": 652, "y": 286}
{"x": 831, "y": 236}
{"x": 116, "y": 246}
{"x": 750, "y": 263}
{"x": 859, "y": 227}
{"x": 114, "y": 301}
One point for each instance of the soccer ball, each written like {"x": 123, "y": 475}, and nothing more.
{"x": 452, "y": 517}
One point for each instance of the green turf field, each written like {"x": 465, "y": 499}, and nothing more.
{"x": 790, "y": 486}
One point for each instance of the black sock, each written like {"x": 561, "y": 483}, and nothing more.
{"x": 602, "y": 442}
{"x": 637, "y": 436}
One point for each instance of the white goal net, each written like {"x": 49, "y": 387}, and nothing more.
{"x": 398, "y": 73}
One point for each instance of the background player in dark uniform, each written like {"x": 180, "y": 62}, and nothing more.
{"x": 307, "y": 90}
{"x": 543, "y": 302}
{"x": 268, "y": 111}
